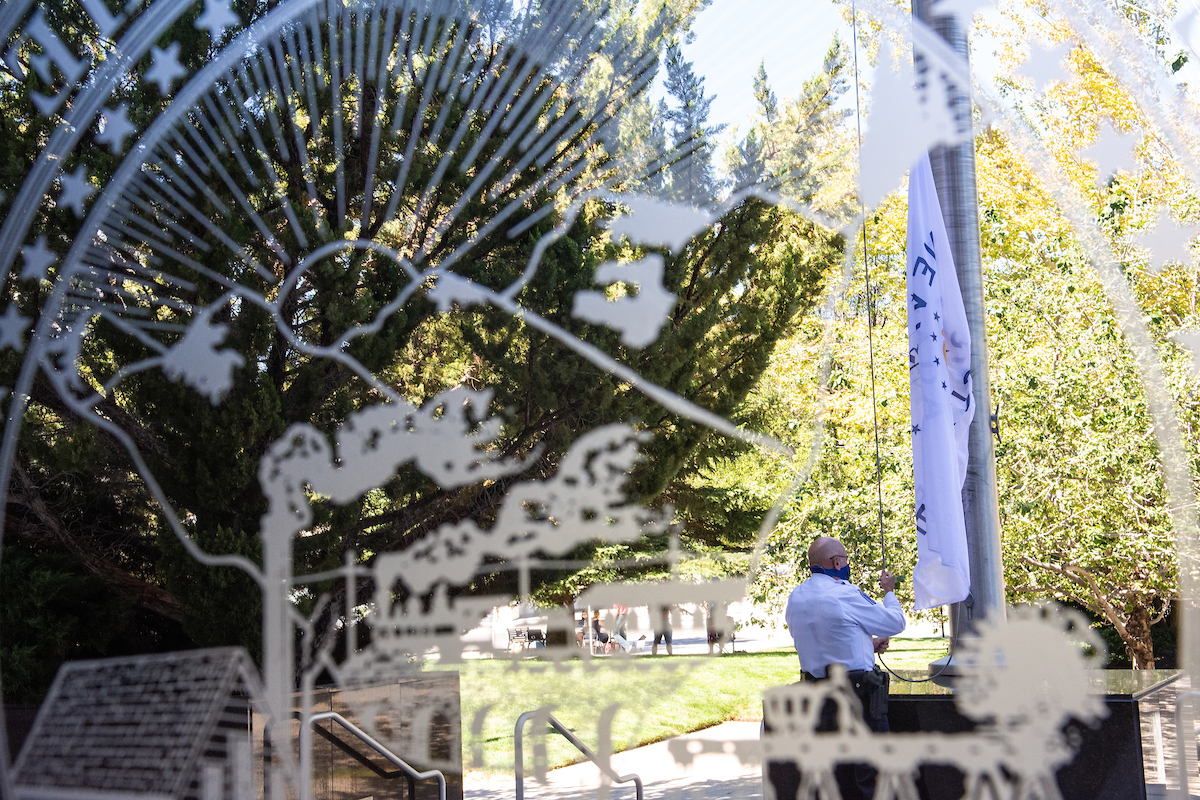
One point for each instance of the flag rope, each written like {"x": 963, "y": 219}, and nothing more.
{"x": 870, "y": 300}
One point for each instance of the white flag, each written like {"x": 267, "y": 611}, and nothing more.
{"x": 939, "y": 374}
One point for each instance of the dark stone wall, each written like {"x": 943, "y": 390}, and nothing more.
{"x": 418, "y": 718}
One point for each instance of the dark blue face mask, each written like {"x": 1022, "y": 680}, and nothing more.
{"x": 840, "y": 574}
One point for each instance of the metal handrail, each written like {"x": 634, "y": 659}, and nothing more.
{"x": 412, "y": 773}
{"x": 573, "y": 739}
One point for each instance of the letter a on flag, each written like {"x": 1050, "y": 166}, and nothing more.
{"x": 939, "y": 375}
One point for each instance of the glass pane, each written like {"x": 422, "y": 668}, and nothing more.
{"x": 461, "y": 397}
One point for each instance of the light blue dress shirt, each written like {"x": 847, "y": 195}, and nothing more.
{"x": 832, "y": 622}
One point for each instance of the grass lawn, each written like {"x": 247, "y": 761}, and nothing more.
{"x": 915, "y": 653}
{"x": 645, "y": 699}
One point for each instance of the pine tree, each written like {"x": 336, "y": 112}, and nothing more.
{"x": 806, "y": 128}
{"x": 794, "y": 147}
{"x": 693, "y": 178}
{"x": 768, "y": 105}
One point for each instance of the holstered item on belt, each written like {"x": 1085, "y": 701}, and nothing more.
{"x": 871, "y": 687}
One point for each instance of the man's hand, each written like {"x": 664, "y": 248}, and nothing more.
{"x": 881, "y": 643}
{"x": 887, "y": 581}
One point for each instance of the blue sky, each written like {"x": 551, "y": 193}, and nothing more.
{"x": 732, "y": 36}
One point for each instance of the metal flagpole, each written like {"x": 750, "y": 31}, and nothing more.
{"x": 954, "y": 176}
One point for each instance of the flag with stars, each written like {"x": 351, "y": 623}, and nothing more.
{"x": 939, "y": 374}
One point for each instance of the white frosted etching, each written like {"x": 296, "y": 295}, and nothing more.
{"x": 1055, "y": 643}
{"x": 404, "y": 633}
{"x": 165, "y": 70}
{"x": 372, "y": 443}
{"x": 446, "y": 438}
{"x": 1021, "y": 682}
{"x": 280, "y": 133}
{"x": 54, "y": 52}
{"x": 584, "y": 500}
{"x": 671, "y": 593}
{"x": 408, "y": 722}
{"x": 76, "y": 190}
{"x": 1190, "y": 341}
{"x": 1167, "y": 240}
{"x": 1045, "y": 64}
{"x": 38, "y": 259}
{"x": 903, "y": 123}
{"x": 659, "y": 223}
{"x": 115, "y": 128}
{"x": 12, "y": 328}
{"x": 962, "y": 10}
{"x": 748, "y": 751}
{"x": 63, "y": 353}
{"x": 144, "y": 726}
{"x": 1113, "y": 151}
{"x": 450, "y": 289}
{"x": 216, "y": 18}
{"x": 1184, "y": 27}
{"x": 442, "y": 438}
{"x": 196, "y": 360}
{"x": 640, "y": 317}
{"x": 106, "y": 22}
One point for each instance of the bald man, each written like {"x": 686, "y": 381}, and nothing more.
{"x": 832, "y": 621}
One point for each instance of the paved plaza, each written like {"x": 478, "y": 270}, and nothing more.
{"x": 710, "y": 776}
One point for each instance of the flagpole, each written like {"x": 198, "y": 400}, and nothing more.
{"x": 954, "y": 177}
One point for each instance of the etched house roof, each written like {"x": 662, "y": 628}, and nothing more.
{"x": 134, "y": 725}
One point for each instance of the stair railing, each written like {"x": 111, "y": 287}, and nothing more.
{"x": 519, "y": 767}
{"x": 412, "y": 773}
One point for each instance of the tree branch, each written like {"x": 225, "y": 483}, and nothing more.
{"x": 1082, "y": 577}
{"x": 50, "y": 527}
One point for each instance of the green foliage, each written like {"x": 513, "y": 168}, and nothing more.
{"x": 768, "y": 104}
{"x": 1080, "y": 485}
{"x": 1082, "y": 505}
{"x": 221, "y": 605}
{"x": 841, "y": 497}
{"x": 799, "y": 146}
{"x": 1164, "y": 637}
{"x": 52, "y": 610}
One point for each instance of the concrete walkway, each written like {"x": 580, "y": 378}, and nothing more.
{"x": 725, "y": 764}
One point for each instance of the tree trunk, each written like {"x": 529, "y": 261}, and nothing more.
{"x": 1138, "y": 643}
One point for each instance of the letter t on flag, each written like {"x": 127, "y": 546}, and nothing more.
{"x": 939, "y": 375}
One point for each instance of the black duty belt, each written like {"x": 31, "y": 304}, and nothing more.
{"x": 855, "y": 675}
{"x": 870, "y": 685}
